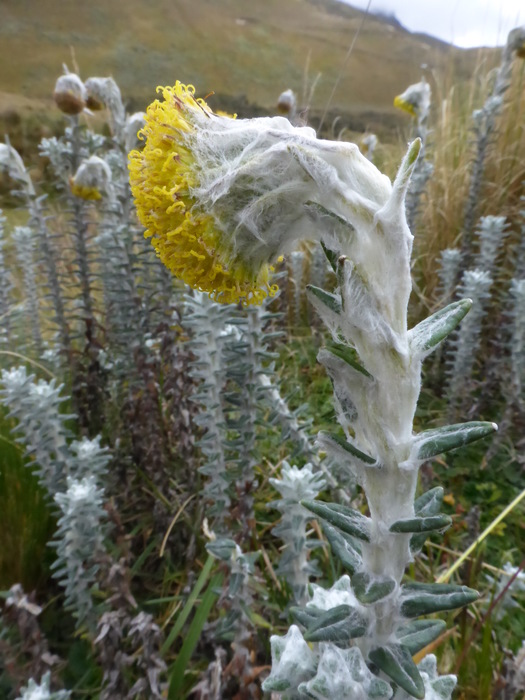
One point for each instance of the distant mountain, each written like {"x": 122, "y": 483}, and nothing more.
{"x": 246, "y": 51}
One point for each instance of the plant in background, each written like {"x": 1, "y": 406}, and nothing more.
{"x": 491, "y": 232}
{"x": 450, "y": 265}
{"x": 484, "y": 129}
{"x": 287, "y": 105}
{"x": 72, "y": 472}
{"x": 24, "y": 240}
{"x": 41, "y": 691}
{"x": 416, "y": 101}
{"x": 517, "y": 386}
{"x": 475, "y": 285}
{"x": 24, "y": 648}
{"x": 511, "y": 581}
{"x": 368, "y": 145}
{"x": 223, "y": 199}
{"x": 297, "y": 279}
{"x": 5, "y": 290}
{"x": 296, "y": 485}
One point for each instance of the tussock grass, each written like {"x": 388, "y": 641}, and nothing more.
{"x": 451, "y": 150}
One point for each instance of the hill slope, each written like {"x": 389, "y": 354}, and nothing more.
{"x": 251, "y": 50}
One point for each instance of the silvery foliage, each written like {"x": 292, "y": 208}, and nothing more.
{"x": 436, "y": 687}
{"x": 344, "y": 674}
{"x": 296, "y": 485}
{"x": 39, "y": 223}
{"x": 79, "y": 540}
{"x": 519, "y": 271}
{"x": 297, "y": 273}
{"x": 517, "y": 670}
{"x": 63, "y": 151}
{"x": 41, "y": 691}
{"x": 235, "y": 626}
{"x": 24, "y": 240}
{"x": 12, "y": 163}
{"x": 491, "y": 231}
{"x": 43, "y": 427}
{"x": 125, "y": 317}
{"x": 132, "y": 280}
{"x": 450, "y": 265}
{"x": 369, "y": 143}
{"x": 210, "y": 327}
{"x": 484, "y": 124}
{"x": 475, "y": 285}
{"x": 424, "y": 169}
{"x": 319, "y": 267}
{"x": 247, "y": 356}
{"x": 507, "y": 602}
{"x": 238, "y": 393}
{"x": 71, "y": 471}
{"x": 367, "y": 621}
{"x": 517, "y": 335}
{"x": 5, "y": 290}
{"x": 330, "y": 673}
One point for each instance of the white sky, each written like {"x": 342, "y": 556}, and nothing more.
{"x": 465, "y": 23}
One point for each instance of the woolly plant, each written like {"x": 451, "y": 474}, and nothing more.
{"x": 450, "y": 265}
{"x": 239, "y": 399}
{"x": 475, "y": 285}
{"x": 484, "y": 125}
{"x": 509, "y": 583}
{"x": 42, "y": 691}
{"x": 72, "y": 473}
{"x": 24, "y": 241}
{"x": 415, "y": 100}
{"x": 5, "y": 290}
{"x": 294, "y": 486}
{"x": 222, "y": 200}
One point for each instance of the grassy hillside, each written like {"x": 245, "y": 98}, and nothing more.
{"x": 247, "y": 50}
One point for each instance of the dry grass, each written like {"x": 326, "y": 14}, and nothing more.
{"x": 452, "y": 149}
{"x": 232, "y": 47}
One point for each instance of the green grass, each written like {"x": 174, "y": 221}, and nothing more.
{"x": 26, "y": 522}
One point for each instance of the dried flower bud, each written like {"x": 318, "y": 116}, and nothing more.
{"x": 70, "y": 94}
{"x": 516, "y": 41}
{"x": 287, "y": 103}
{"x": 92, "y": 179}
{"x": 105, "y": 93}
{"x": 368, "y": 145}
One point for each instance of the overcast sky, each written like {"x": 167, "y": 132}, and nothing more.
{"x": 462, "y": 22}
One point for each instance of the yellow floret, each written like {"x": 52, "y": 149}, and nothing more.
{"x": 187, "y": 239}
{"x": 89, "y": 193}
{"x": 400, "y": 103}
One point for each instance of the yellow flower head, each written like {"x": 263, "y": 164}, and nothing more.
{"x": 92, "y": 179}
{"x": 415, "y": 100}
{"x": 222, "y": 199}
{"x": 163, "y": 178}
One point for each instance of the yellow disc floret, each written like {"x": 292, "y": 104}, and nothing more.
{"x": 163, "y": 175}
{"x": 84, "y": 192}
{"x": 406, "y": 106}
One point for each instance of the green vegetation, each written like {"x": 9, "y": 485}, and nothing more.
{"x": 183, "y": 602}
